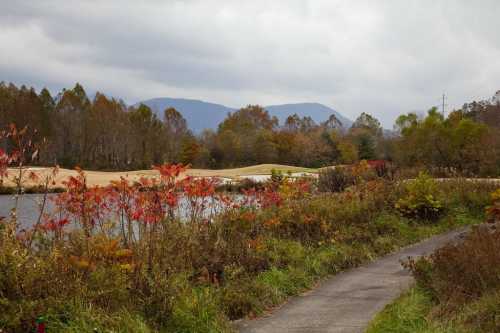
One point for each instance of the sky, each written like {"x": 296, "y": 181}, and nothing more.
{"x": 380, "y": 57}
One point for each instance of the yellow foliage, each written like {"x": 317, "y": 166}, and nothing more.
{"x": 495, "y": 196}
{"x": 127, "y": 267}
{"x": 493, "y": 211}
{"x": 123, "y": 253}
{"x": 80, "y": 263}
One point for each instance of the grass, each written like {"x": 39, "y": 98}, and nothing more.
{"x": 87, "y": 319}
{"x": 416, "y": 312}
{"x": 410, "y": 314}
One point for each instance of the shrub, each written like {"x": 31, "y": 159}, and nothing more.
{"x": 335, "y": 179}
{"x": 243, "y": 297}
{"x": 473, "y": 266}
{"x": 462, "y": 281}
{"x": 384, "y": 169}
{"x": 493, "y": 211}
{"x": 421, "y": 200}
{"x": 282, "y": 253}
{"x": 277, "y": 176}
{"x": 471, "y": 194}
{"x": 240, "y": 185}
{"x": 484, "y": 314}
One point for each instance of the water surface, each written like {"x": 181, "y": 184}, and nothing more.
{"x": 28, "y": 208}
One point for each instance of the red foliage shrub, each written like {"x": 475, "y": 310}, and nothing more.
{"x": 463, "y": 271}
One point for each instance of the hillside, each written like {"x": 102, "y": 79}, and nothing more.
{"x": 318, "y": 112}
{"x": 201, "y": 115}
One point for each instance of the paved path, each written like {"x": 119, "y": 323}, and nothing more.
{"x": 348, "y": 301}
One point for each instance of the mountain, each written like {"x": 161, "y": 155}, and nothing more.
{"x": 318, "y": 112}
{"x": 200, "y": 115}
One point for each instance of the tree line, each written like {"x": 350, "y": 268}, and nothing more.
{"x": 104, "y": 133}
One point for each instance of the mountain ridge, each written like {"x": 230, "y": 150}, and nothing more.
{"x": 201, "y": 114}
{"x": 317, "y": 111}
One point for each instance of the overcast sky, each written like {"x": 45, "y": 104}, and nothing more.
{"x": 381, "y": 57}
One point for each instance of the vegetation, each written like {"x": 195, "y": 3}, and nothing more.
{"x": 408, "y": 314}
{"x": 335, "y": 179}
{"x": 105, "y": 134}
{"x": 465, "y": 143}
{"x": 422, "y": 199}
{"x": 458, "y": 287}
{"x": 174, "y": 255}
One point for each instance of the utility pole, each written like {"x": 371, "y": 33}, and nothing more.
{"x": 443, "y": 105}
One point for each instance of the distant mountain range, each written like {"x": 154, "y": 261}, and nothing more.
{"x": 201, "y": 115}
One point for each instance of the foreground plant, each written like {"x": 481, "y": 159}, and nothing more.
{"x": 172, "y": 254}
{"x": 422, "y": 199}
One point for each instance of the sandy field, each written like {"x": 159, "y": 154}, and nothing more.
{"x": 102, "y": 178}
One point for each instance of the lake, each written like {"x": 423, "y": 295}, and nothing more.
{"x": 28, "y": 209}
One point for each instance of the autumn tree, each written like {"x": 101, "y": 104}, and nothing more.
{"x": 365, "y": 132}
{"x": 176, "y": 134}
{"x": 367, "y": 122}
{"x": 146, "y": 131}
{"x": 243, "y": 133}
{"x": 457, "y": 144}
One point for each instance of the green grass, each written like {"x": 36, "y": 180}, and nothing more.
{"x": 415, "y": 312}
{"x": 79, "y": 318}
{"x": 410, "y": 313}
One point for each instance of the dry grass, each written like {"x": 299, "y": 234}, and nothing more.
{"x": 102, "y": 178}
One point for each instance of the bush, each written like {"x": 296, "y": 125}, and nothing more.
{"x": 240, "y": 186}
{"x": 277, "y": 176}
{"x": 461, "y": 272}
{"x": 342, "y": 216}
{"x": 421, "y": 200}
{"x": 493, "y": 211}
{"x": 335, "y": 179}
{"x": 462, "y": 284}
{"x": 243, "y": 297}
{"x": 470, "y": 194}
{"x": 483, "y": 314}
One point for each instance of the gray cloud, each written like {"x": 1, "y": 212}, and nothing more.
{"x": 384, "y": 57}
